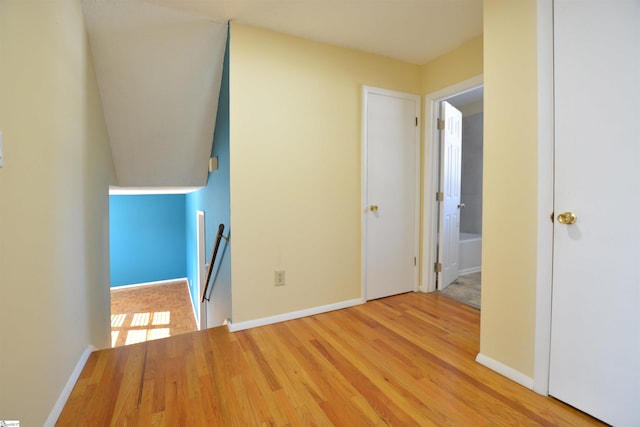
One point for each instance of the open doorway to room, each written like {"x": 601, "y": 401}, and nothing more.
{"x": 456, "y": 182}
{"x": 466, "y": 286}
{"x": 150, "y": 293}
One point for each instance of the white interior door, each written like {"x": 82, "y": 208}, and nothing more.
{"x": 450, "y": 172}
{"x": 391, "y": 155}
{"x": 595, "y": 332}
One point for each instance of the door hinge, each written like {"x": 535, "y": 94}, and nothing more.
{"x": 440, "y": 124}
{"x": 416, "y": 121}
{"x": 437, "y": 267}
{"x": 439, "y": 196}
{"x": 415, "y": 262}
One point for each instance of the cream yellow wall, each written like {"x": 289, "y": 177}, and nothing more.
{"x": 509, "y": 240}
{"x": 454, "y": 67}
{"x": 54, "y": 267}
{"x": 295, "y": 117}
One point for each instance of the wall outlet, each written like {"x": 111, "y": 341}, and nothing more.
{"x": 279, "y": 278}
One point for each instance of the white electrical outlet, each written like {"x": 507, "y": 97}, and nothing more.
{"x": 279, "y": 278}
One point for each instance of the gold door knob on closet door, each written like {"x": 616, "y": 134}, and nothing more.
{"x": 373, "y": 208}
{"x": 567, "y": 218}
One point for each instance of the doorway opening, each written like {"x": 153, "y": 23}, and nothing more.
{"x": 453, "y": 256}
{"x": 151, "y": 295}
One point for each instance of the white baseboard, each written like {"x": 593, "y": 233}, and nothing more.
{"x": 233, "y": 327}
{"x": 159, "y": 282}
{"x": 469, "y": 271}
{"x": 68, "y": 388}
{"x": 505, "y": 370}
{"x": 195, "y": 315}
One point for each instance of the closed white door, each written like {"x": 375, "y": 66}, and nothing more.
{"x": 450, "y": 173}
{"x": 595, "y": 332}
{"x": 391, "y": 153}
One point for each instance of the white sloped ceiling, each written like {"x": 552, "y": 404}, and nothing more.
{"x": 159, "y": 64}
{"x": 159, "y": 71}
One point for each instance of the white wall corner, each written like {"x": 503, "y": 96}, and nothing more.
{"x": 505, "y": 371}
{"x": 234, "y": 327}
{"x": 68, "y": 388}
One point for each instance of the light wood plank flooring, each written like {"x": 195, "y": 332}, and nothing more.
{"x": 406, "y": 360}
{"x": 144, "y": 313}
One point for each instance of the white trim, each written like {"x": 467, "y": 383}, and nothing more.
{"x": 137, "y": 191}
{"x": 159, "y": 282}
{"x": 469, "y": 270}
{"x": 544, "y": 268}
{"x": 431, "y": 162}
{"x": 68, "y": 388}
{"x": 201, "y": 255}
{"x": 193, "y": 307}
{"x": 505, "y": 370}
{"x": 234, "y": 327}
{"x": 203, "y": 315}
{"x": 416, "y": 200}
{"x": 363, "y": 208}
{"x": 366, "y": 90}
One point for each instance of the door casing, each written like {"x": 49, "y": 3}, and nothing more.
{"x": 201, "y": 251}
{"x": 430, "y": 185}
{"x": 544, "y": 260}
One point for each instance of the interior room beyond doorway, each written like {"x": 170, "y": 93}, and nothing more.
{"x": 466, "y": 287}
{"x": 150, "y": 293}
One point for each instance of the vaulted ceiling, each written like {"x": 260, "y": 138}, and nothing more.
{"x": 159, "y": 64}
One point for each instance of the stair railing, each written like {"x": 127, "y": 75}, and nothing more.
{"x": 214, "y": 253}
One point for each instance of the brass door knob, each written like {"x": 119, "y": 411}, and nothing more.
{"x": 373, "y": 208}
{"x": 567, "y": 218}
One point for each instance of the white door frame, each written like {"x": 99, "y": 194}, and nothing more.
{"x": 544, "y": 261}
{"x": 366, "y": 90}
{"x": 431, "y": 162}
{"x": 202, "y": 257}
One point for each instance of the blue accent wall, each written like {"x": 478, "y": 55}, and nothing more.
{"x": 148, "y": 238}
{"x": 214, "y": 200}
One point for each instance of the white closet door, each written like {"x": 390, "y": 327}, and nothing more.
{"x": 595, "y": 336}
{"x": 391, "y": 175}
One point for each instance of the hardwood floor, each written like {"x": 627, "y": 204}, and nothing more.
{"x": 406, "y": 360}
{"x": 150, "y": 312}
